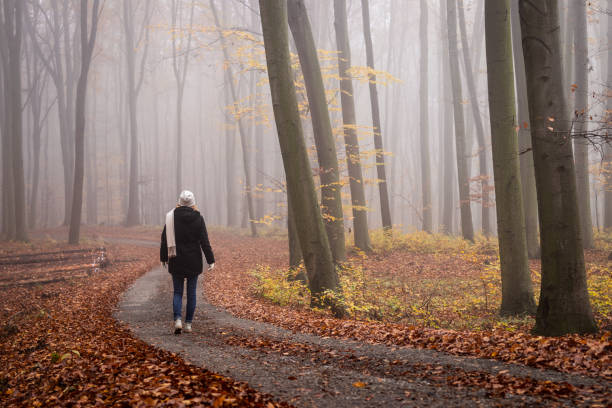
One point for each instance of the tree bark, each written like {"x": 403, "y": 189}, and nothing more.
{"x": 300, "y": 184}
{"x": 530, "y": 200}
{"x": 385, "y": 210}
{"x": 564, "y": 303}
{"x": 517, "y": 291}
{"x": 351, "y": 143}
{"x": 467, "y": 228}
{"x": 88, "y": 41}
{"x": 480, "y": 135}
{"x": 331, "y": 200}
{"x": 580, "y": 116}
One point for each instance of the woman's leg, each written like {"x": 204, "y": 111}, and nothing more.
{"x": 192, "y": 286}
{"x": 177, "y": 302}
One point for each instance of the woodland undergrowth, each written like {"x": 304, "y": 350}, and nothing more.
{"x": 433, "y": 280}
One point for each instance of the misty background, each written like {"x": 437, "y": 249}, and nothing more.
{"x": 159, "y": 74}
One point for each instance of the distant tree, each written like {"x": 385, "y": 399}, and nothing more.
{"x": 11, "y": 24}
{"x": 241, "y": 128}
{"x": 530, "y": 199}
{"x": 564, "y": 302}
{"x": 448, "y": 161}
{"x": 378, "y": 140}
{"x": 517, "y": 290}
{"x": 8, "y": 202}
{"x": 300, "y": 184}
{"x": 480, "y": 134}
{"x": 351, "y": 143}
{"x": 608, "y": 147}
{"x": 331, "y": 200}
{"x": 180, "y": 63}
{"x": 467, "y": 228}
{"x": 230, "y": 157}
{"x": 580, "y": 116}
{"x": 134, "y": 42}
{"x": 56, "y": 48}
{"x": 88, "y": 41}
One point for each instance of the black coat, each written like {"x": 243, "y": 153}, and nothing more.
{"x": 191, "y": 239}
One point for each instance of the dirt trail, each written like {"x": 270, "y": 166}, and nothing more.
{"x": 308, "y": 370}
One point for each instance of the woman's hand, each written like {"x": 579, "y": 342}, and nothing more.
{"x": 211, "y": 266}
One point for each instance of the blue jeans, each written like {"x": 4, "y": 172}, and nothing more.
{"x": 177, "y": 302}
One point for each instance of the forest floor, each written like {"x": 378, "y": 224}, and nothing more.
{"x": 264, "y": 335}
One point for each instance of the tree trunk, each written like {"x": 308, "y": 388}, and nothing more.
{"x": 378, "y": 141}
{"x": 564, "y": 303}
{"x": 8, "y": 181}
{"x": 448, "y": 161}
{"x": 331, "y": 200}
{"x": 351, "y": 143}
{"x": 12, "y": 31}
{"x": 87, "y": 45}
{"x": 517, "y": 291}
{"x": 580, "y": 116}
{"x": 295, "y": 250}
{"x": 91, "y": 171}
{"x": 530, "y": 200}
{"x": 424, "y": 118}
{"x": 300, "y": 184}
{"x": 230, "y": 154}
{"x": 467, "y": 228}
{"x": 480, "y": 134}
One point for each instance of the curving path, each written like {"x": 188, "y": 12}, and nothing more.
{"x": 311, "y": 371}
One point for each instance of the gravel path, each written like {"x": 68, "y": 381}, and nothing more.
{"x": 310, "y": 371}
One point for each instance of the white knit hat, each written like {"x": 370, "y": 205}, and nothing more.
{"x": 187, "y": 199}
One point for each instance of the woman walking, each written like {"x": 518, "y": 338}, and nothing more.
{"x": 182, "y": 242}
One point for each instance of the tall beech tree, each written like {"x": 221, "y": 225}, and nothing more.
{"x": 8, "y": 188}
{"x": 564, "y": 303}
{"x": 318, "y": 259}
{"x": 424, "y": 118}
{"x": 580, "y": 115}
{"x": 467, "y": 227}
{"x": 378, "y": 139}
{"x": 351, "y": 143}
{"x": 11, "y": 23}
{"x": 530, "y": 199}
{"x": 331, "y": 200}
{"x": 88, "y": 41}
{"x": 517, "y": 290}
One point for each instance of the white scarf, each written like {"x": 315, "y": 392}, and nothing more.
{"x": 170, "y": 237}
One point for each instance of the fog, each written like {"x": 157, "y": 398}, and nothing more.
{"x": 176, "y": 101}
